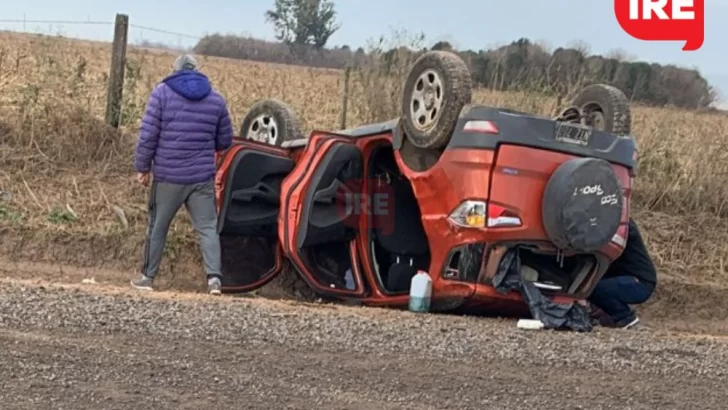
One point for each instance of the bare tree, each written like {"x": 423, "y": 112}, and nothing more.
{"x": 620, "y": 55}
{"x": 581, "y": 46}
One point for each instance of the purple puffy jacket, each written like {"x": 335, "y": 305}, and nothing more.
{"x": 185, "y": 122}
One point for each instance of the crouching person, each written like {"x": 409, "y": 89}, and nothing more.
{"x": 630, "y": 280}
{"x": 185, "y": 123}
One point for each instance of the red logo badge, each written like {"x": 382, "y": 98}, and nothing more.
{"x": 663, "y": 20}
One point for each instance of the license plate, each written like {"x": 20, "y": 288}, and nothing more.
{"x": 571, "y": 133}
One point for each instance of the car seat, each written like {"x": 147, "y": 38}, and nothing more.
{"x": 405, "y": 240}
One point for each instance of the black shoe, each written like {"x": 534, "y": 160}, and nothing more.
{"x": 632, "y": 322}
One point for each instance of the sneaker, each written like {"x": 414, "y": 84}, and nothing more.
{"x": 143, "y": 283}
{"x": 213, "y": 286}
{"x": 629, "y": 323}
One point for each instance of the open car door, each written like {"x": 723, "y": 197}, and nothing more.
{"x": 248, "y": 194}
{"x": 319, "y": 222}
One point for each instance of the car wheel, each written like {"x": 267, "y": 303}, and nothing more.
{"x": 271, "y": 122}
{"x": 582, "y": 205}
{"x": 605, "y": 108}
{"x": 437, "y": 88}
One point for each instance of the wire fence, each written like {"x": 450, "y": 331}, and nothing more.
{"x": 136, "y": 35}
{"x": 101, "y": 31}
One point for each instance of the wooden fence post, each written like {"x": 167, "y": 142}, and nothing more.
{"x": 116, "y": 73}
{"x": 345, "y": 99}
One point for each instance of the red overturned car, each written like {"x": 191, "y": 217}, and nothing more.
{"x": 507, "y": 212}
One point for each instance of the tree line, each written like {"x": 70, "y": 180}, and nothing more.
{"x": 303, "y": 28}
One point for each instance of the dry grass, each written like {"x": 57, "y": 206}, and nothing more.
{"x": 63, "y": 169}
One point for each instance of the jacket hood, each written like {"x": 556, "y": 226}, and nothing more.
{"x": 191, "y": 85}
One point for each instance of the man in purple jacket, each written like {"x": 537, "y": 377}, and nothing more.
{"x": 185, "y": 122}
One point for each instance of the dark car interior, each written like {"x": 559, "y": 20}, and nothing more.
{"x": 399, "y": 243}
{"x": 329, "y": 217}
{"x": 249, "y": 216}
{"x": 561, "y": 274}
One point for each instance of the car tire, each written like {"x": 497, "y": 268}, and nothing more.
{"x": 582, "y": 205}
{"x": 606, "y": 108}
{"x": 272, "y": 122}
{"x": 436, "y": 89}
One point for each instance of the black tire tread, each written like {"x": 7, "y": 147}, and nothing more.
{"x": 457, "y": 92}
{"x": 614, "y": 103}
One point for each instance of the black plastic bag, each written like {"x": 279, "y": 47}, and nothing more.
{"x": 553, "y": 315}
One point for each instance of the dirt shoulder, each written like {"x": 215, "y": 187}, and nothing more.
{"x": 677, "y": 306}
{"x": 88, "y": 346}
{"x": 689, "y": 296}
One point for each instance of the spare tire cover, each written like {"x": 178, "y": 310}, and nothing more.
{"x": 582, "y": 205}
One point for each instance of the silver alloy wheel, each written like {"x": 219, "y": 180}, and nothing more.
{"x": 426, "y": 101}
{"x": 263, "y": 129}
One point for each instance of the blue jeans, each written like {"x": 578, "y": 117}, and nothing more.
{"x": 614, "y": 295}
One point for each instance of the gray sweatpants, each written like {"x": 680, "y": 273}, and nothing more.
{"x": 165, "y": 199}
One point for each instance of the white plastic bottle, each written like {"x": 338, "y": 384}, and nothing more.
{"x": 420, "y": 292}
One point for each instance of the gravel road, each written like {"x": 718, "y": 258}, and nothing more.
{"x": 93, "y": 347}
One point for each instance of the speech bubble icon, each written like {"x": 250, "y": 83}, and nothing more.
{"x": 663, "y": 20}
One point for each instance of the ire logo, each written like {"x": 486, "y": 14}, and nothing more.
{"x": 663, "y": 20}
{"x": 369, "y": 199}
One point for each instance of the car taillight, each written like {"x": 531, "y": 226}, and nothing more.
{"x": 500, "y": 217}
{"x": 480, "y": 214}
{"x": 487, "y": 127}
{"x": 469, "y": 214}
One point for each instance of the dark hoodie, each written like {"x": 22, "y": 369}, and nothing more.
{"x": 635, "y": 259}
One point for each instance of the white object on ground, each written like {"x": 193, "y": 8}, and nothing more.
{"x": 420, "y": 292}
{"x": 87, "y": 281}
{"x": 529, "y": 324}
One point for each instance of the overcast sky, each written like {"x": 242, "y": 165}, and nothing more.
{"x": 465, "y": 23}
